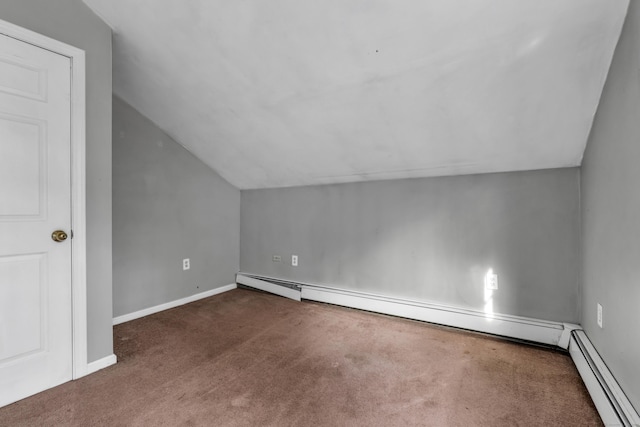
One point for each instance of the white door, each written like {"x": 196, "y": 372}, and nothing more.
{"x": 35, "y": 201}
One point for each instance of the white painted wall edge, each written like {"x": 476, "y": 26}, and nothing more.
{"x": 535, "y": 330}
{"x": 99, "y": 364}
{"x": 172, "y": 304}
{"x": 612, "y": 404}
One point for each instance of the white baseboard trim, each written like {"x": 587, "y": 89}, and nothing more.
{"x": 611, "y": 402}
{"x": 105, "y": 362}
{"x": 535, "y": 330}
{"x": 171, "y": 304}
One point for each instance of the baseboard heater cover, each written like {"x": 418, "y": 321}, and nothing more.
{"x": 539, "y": 331}
{"x": 272, "y": 286}
{"x": 612, "y": 404}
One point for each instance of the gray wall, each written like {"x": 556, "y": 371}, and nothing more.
{"x": 71, "y": 22}
{"x": 167, "y": 205}
{"x": 427, "y": 239}
{"x": 611, "y": 215}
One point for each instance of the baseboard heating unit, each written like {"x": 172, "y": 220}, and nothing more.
{"x": 522, "y": 328}
{"x": 612, "y": 404}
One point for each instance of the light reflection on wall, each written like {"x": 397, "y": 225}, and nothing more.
{"x": 488, "y": 294}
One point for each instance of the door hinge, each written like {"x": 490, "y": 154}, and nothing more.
{"x": 71, "y": 234}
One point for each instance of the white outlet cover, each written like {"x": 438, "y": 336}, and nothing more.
{"x": 491, "y": 281}
{"x": 186, "y": 264}
{"x": 294, "y": 260}
{"x": 599, "y": 318}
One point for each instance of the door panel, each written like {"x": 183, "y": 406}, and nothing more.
{"x": 22, "y": 175}
{"x": 35, "y": 200}
{"x": 21, "y": 79}
{"x": 27, "y": 270}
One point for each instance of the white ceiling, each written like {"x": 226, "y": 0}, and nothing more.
{"x": 288, "y": 92}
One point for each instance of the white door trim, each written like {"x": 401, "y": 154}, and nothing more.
{"x": 78, "y": 180}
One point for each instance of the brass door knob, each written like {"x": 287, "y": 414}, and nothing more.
{"x": 59, "y": 236}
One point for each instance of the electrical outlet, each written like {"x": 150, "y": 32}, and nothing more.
{"x": 491, "y": 281}
{"x": 277, "y": 258}
{"x": 186, "y": 264}
{"x": 599, "y": 315}
{"x": 294, "y": 260}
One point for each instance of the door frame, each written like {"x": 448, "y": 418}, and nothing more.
{"x": 78, "y": 186}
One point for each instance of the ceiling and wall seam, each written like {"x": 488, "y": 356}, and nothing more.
{"x": 604, "y": 82}
{"x": 177, "y": 142}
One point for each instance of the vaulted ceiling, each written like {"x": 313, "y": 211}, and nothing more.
{"x": 288, "y": 92}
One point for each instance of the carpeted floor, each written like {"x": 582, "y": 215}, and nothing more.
{"x": 246, "y": 358}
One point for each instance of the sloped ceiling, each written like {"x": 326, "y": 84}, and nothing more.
{"x": 288, "y": 92}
